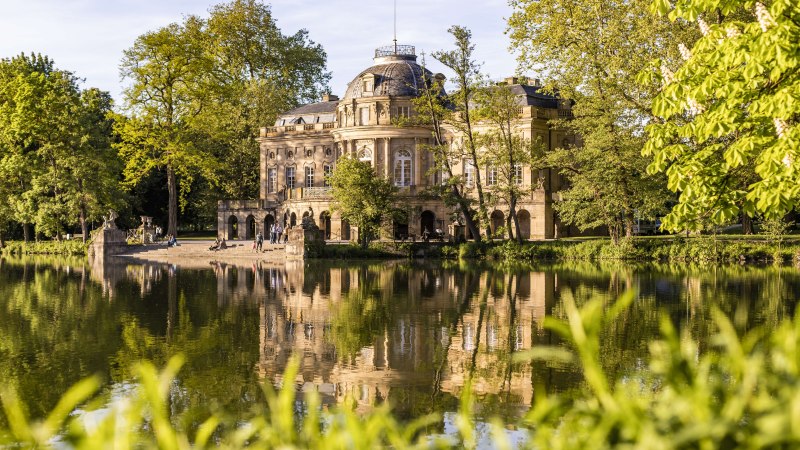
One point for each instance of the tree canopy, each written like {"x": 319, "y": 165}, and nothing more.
{"x": 591, "y": 52}
{"x": 57, "y": 167}
{"x": 727, "y": 135}
{"x": 361, "y": 197}
{"x": 199, "y": 90}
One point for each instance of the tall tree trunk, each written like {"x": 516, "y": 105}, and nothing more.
{"x": 483, "y": 212}
{"x": 172, "y": 188}
{"x": 515, "y": 218}
{"x": 629, "y": 224}
{"x": 747, "y": 224}
{"x": 614, "y": 231}
{"x": 84, "y": 224}
{"x": 2, "y": 239}
{"x": 26, "y": 232}
{"x": 467, "y": 213}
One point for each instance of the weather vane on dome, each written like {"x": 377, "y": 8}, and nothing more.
{"x": 395, "y": 26}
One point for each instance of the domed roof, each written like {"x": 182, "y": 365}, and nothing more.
{"x": 396, "y": 73}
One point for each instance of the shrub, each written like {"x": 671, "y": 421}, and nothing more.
{"x": 471, "y": 250}
{"x": 67, "y": 248}
{"x": 449, "y": 251}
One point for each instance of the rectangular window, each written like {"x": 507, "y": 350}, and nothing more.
{"x": 272, "y": 180}
{"x": 517, "y": 173}
{"x": 491, "y": 176}
{"x": 327, "y": 169}
{"x": 440, "y": 177}
{"x": 363, "y": 116}
{"x": 309, "y": 176}
{"x": 402, "y": 111}
{"x": 290, "y": 177}
{"x": 469, "y": 173}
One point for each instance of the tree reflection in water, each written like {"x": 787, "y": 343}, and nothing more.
{"x": 403, "y": 332}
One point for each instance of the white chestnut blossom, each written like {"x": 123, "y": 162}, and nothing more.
{"x": 704, "y": 28}
{"x": 686, "y": 54}
{"x": 695, "y": 108}
{"x": 765, "y": 19}
{"x": 780, "y": 126}
{"x": 667, "y": 74}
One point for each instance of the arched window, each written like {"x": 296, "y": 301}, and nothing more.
{"x": 402, "y": 168}
{"x": 365, "y": 154}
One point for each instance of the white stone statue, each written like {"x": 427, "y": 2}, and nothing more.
{"x": 108, "y": 221}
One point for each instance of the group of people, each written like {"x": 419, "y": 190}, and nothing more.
{"x": 427, "y": 235}
{"x": 219, "y": 244}
{"x": 172, "y": 241}
{"x": 276, "y": 233}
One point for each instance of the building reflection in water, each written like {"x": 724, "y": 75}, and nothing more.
{"x": 433, "y": 326}
{"x": 437, "y": 328}
{"x": 414, "y": 333}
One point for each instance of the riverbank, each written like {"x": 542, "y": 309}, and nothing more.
{"x": 703, "y": 249}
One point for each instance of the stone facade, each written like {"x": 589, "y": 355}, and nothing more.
{"x": 305, "y": 143}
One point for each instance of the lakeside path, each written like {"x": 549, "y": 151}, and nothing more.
{"x": 196, "y": 253}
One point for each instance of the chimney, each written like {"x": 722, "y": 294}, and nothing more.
{"x": 330, "y": 98}
{"x": 511, "y": 80}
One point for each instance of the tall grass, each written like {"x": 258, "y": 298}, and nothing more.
{"x": 733, "y": 391}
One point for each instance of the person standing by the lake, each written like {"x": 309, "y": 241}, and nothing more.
{"x": 259, "y": 241}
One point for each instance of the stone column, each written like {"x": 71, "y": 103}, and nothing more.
{"x": 417, "y": 165}
{"x": 387, "y": 158}
{"x": 263, "y": 172}
{"x": 375, "y": 156}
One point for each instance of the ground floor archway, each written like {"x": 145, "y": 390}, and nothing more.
{"x": 325, "y": 224}
{"x": 250, "y": 229}
{"x": 233, "y": 228}
{"x": 498, "y": 224}
{"x": 427, "y": 223}
{"x": 400, "y": 229}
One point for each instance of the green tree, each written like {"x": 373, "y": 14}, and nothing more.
{"x": 432, "y": 110}
{"x": 198, "y": 93}
{"x": 731, "y": 107}
{"x": 170, "y": 84}
{"x": 57, "y": 165}
{"x": 362, "y": 198}
{"x": 592, "y": 51}
{"x": 259, "y": 73}
{"x": 504, "y": 150}
{"x": 23, "y": 81}
{"x": 95, "y": 167}
{"x": 467, "y": 81}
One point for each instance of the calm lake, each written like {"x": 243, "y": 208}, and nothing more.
{"x": 405, "y": 332}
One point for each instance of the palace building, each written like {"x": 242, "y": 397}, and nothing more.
{"x": 304, "y": 144}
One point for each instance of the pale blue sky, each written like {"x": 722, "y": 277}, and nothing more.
{"x": 88, "y": 36}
